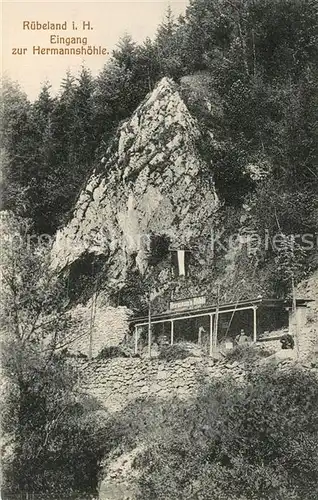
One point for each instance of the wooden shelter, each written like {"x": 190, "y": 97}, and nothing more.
{"x": 221, "y": 323}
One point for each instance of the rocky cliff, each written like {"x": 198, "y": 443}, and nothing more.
{"x": 151, "y": 180}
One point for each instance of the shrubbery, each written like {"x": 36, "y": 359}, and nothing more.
{"x": 250, "y": 441}
{"x": 52, "y": 441}
{"x": 175, "y": 351}
{"x": 248, "y": 354}
{"x": 55, "y": 435}
{"x": 114, "y": 352}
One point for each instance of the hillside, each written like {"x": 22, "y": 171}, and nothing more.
{"x": 152, "y": 188}
{"x": 197, "y": 148}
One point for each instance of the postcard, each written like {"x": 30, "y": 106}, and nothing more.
{"x": 159, "y": 263}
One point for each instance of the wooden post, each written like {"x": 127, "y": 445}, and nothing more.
{"x": 294, "y": 316}
{"x": 171, "y": 332}
{"x": 215, "y": 333}
{"x": 91, "y": 326}
{"x": 90, "y": 346}
{"x": 136, "y": 339}
{"x": 199, "y": 333}
{"x": 149, "y": 327}
{"x": 254, "y": 324}
{"x": 216, "y": 321}
{"x": 211, "y": 334}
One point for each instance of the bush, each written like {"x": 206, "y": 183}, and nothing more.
{"x": 176, "y": 351}
{"x": 257, "y": 441}
{"x": 113, "y": 352}
{"x": 248, "y": 354}
{"x": 57, "y": 444}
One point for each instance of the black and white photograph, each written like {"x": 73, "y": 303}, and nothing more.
{"x": 159, "y": 250}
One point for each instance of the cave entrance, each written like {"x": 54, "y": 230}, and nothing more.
{"x": 84, "y": 276}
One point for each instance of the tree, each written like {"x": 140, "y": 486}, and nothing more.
{"x": 18, "y": 148}
{"x": 47, "y": 423}
{"x": 125, "y": 52}
{"x": 113, "y": 87}
{"x": 147, "y": 67}
{"x": 66, "y": 149}
{"x": 169, "y": 45}
{"x": 38, "y": 194}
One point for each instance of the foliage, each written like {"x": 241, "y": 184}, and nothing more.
{"x": 17, "y": 146}
{"x": 248, "y": 71}
{"x": 287, "y": 221}
{"x": 247, "y": 354}
{"x": 253, "y": 441}
{"x": 175, "y": 351}
{"x": 49, "y": 428}
{"x": 54, "y": 429}
{"x": 33, "y": 299}
{"x": 113, "y": 352}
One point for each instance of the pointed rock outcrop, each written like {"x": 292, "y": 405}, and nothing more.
{"x": 152, "y": 179}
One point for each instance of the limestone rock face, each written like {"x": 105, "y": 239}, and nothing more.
{"x": 152, "y": 179}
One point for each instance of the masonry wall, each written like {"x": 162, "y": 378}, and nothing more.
{"x": 107, "y": 325}
{"x": 308, "y": 338}
{"x": 116, "y": 382}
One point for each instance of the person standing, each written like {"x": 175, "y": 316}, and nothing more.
{"x": 201, "y": 335}
{"x": 242, "y": 338}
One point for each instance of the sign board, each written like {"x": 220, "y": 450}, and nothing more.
{"x": 191, "y": 303}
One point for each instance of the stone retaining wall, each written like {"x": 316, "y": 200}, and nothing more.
{"x": 116, "y": 382}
